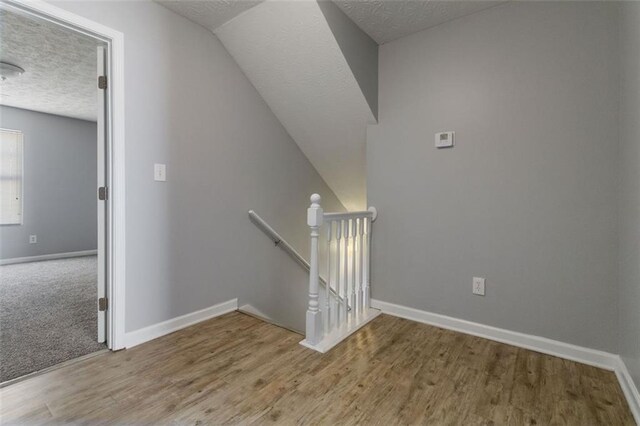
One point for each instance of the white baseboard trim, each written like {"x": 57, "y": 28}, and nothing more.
{"x": 593, "y": 357}
{"x": 48, "y": 257}
{"x": 134, "y": 338}
{"x": 629, "y": 388}
{"x": 252, "y": 311}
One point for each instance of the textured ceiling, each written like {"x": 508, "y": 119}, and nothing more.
{"x": 387, "y": 20}
{"x": 382, "y": 20}
{"x": 60, "y": 67}
{"x": 290, "y": 55}
{"x": 209, "y": 13}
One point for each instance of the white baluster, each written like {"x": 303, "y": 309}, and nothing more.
{"x": 327, "y": 303}
{"x": 314, "y": 316}
{"x": 360, "y": 295}
{"x": 345, "y": 275}
{"x": 367, "y": 265}
{"x": 356, "y": 311}
{"x": 336, "y": 312}
{"x": 352, "y": 287}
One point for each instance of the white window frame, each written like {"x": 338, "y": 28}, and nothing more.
{"x": 21, "y": 160}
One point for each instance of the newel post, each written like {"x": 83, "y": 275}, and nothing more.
{"x": 314, "y": 319}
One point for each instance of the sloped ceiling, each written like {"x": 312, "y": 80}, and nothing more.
{"x": 60, "y": 67}
{"x": 388, "y": 20}
{"x": 382, "y": 20}
{"x": 290, "y": 55}
{"x": 212, "y": 13}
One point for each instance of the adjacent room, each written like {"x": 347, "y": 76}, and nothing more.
{"x": 49, "y": 228}
{"x": 325, "y": 212}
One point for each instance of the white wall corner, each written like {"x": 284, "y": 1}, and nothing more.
{"x": 137, "y": 337}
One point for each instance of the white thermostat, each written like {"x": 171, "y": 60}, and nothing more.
{"x": 444, "y": 139}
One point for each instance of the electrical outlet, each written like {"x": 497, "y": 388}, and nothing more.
{"x": 33, "y": 239}
{"x": 478, "y": 286}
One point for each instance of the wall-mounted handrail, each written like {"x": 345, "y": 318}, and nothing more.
{"x": 284, "y": 245}
{"x": 277, "y": 239}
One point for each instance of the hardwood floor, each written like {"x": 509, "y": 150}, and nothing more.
{"x": 236, "y": 369}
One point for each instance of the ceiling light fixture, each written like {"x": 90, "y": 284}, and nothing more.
{"x": 8, "y": 70}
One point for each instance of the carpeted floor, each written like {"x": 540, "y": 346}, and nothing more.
{"x": 47, "y": 314}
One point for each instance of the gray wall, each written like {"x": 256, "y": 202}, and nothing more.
{"x": 359, "y": 50}
{"x": 630, "y": 188}
{"x": 528, "y": 197}
{"x": 59, "y": 203}
{"x": 190, "y": 244}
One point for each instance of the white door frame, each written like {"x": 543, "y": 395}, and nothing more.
{"x": 115, "y": 268}
{"x": 101, "y": 95}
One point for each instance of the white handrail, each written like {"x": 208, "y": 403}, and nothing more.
{"x": 278, "y": 240}
{"x": 284, "y": 245}
{"x": 371, "y": 213}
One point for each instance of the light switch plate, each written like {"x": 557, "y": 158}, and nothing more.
{"x": 160, "y": 172}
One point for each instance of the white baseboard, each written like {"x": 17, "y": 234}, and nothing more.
{"x": 596, "y": 358}
{"x": 134, "y": 338}
{"x": 629, "y": 388}
{"x": 257, "y": 313}
{"x": 48, "y": 257}
{"x": 568, "y": 351}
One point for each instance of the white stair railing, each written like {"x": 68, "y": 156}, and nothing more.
{"x": 347, "y": 249}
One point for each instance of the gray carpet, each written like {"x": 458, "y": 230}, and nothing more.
{"x": 47, "y": 314}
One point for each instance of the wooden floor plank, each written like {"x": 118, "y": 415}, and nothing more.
{"x": 236, "y": 369}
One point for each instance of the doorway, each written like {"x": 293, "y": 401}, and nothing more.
{"x": 58, "y": 259}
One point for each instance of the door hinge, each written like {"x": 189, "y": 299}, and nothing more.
{"x": 103, "y": 304}
{"x": 102, "y": 82}
{"x": 103, "y": 193}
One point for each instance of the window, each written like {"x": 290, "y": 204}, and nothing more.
{"x": 10, "y": 177}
